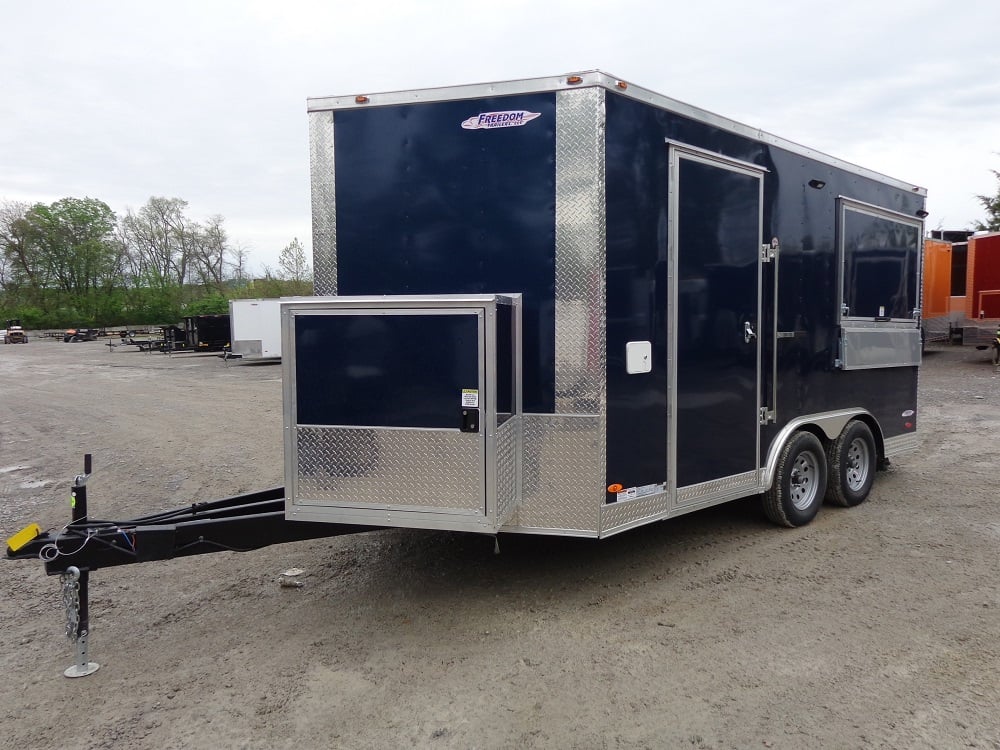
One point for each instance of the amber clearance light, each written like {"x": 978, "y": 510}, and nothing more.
{"x": 615, "y": 488}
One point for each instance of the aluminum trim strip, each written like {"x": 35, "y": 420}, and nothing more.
{"x": 845, "y": 204}
{"x": 716, "y": 159}
{"x": 323, "y": 178}
{"x": 544, "y": 531}
{"x": 580, "y": 253}
{"x": 676, "y": 153}
{"x": 394, "y": 518}
{"x": 421, "y": 301}
{"x": 868, "y": 348}
{"x": 596, "y": 78}
{"x": 507, "y": 443}
{"x": 729, "y": 487}
{"x": 880, "y": 211}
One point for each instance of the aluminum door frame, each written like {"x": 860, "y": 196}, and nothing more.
{"x": 484, "y": 306}
{"x": 722, "y": 489}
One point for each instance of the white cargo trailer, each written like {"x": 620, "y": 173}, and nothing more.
{"x": 256, "y": 328}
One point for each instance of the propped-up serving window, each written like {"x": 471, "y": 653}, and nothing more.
{"x": 880, "y": 282}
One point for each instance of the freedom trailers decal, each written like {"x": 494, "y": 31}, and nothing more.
{"x": 510, "y": 119}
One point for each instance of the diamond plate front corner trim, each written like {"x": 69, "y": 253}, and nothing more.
{"x": 580, "y": 252}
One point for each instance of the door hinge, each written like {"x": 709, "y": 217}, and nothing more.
{"x": 769, "y": 251}
{"x": 767, "y": 415}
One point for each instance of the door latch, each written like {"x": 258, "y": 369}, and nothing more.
{"x": 748, "y": 332}
{"x": 470, "y": 420}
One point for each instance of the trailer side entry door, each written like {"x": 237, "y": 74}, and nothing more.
{"x": 715, "y": 205}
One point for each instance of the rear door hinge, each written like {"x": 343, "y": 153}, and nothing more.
{"x": 769, "y": 251}
{"x": 767, "y": 415}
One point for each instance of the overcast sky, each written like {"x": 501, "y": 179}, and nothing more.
{"x": 205, "y": 100}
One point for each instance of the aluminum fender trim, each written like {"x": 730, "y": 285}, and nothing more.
{"x": 831, "y": 422}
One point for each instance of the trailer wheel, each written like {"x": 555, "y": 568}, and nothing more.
{"x": 852, "y": 460}
{"x": 796, "y": 494}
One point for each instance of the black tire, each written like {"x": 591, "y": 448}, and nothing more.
{"x": 796, "y": 494}
{"x": 852, "y": 460}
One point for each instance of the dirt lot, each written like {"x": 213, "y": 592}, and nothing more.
{"x": 877, "y": 626}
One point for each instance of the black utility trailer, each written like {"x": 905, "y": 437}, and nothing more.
{"x": 198, "y": 333}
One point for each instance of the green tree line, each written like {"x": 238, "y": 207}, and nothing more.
{"x": 76, "y": 262}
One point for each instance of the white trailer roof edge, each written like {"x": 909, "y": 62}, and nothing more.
{"x": 600, "y": 79}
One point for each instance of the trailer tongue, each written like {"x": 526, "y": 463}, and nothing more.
{"x": 238, "y": 524}
{"x": 235, "y": 524}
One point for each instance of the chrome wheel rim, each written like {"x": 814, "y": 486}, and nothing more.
{"x": 803, "y": 485}
{"x": 858, "y": 464}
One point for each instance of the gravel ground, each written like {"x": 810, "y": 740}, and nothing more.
{"x": 875, "y": 626}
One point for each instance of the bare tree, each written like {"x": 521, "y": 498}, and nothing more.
{"x": 239, "y": 261}
{"x": 162, "y": 241}
{"x": 19, "y": 263}
{"x": 210, "y": 251}
{"x": 294, "y": 265}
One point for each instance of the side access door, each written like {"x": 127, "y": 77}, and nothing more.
{"x": 391, "y": 410}
{"x": 714, "y": 405}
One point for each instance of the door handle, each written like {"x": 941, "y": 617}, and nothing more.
{"x": 748, "y": 332}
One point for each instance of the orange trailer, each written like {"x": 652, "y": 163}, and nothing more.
{"x": 937, "y": 279}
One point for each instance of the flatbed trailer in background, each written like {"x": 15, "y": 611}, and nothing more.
{"x": 198, "y": 333}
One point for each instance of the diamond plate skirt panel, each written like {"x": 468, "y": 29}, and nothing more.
{"x": 391, "y": 468}
{"x": 507, "y": 448}
{"x": 901, "y": 444}
{"x": 562, "y": 477}
{"x": 324, "y": 202}
{"x": 735, "y": 486}
{"x": 620, "y": 516}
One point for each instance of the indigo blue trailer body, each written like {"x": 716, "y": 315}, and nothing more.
{"x": 573, "y": 306}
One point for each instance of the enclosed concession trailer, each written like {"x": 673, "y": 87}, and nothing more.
{"x": 573, "y": 306}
